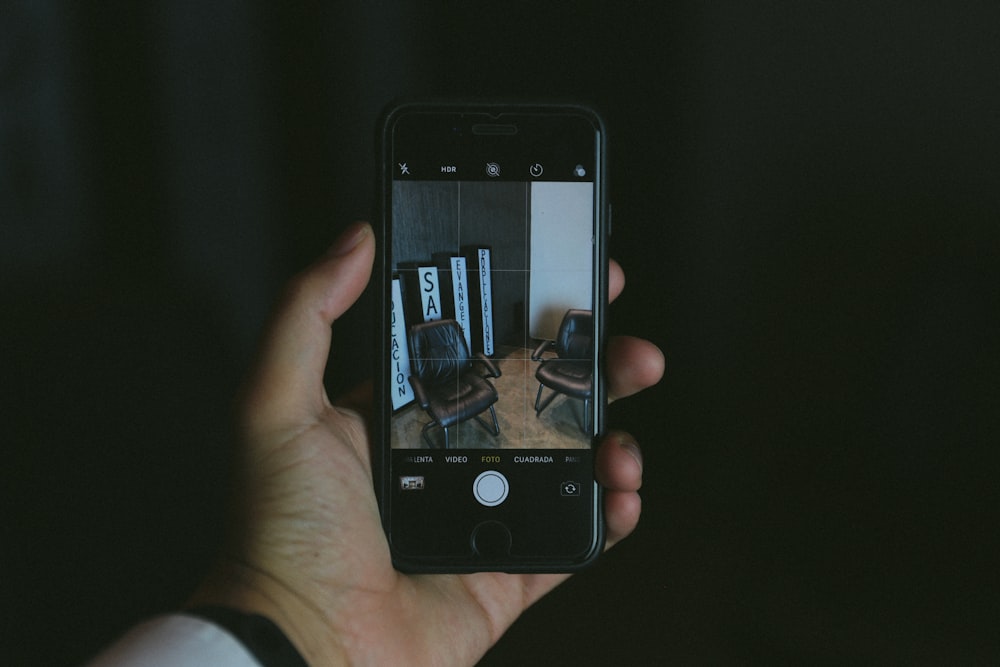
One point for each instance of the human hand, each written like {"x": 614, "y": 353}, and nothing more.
{"x": 307, "y": 548}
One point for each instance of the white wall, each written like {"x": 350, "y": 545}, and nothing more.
{"x": 562, "y": 236}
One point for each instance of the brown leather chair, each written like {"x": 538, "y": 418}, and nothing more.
{"x": 445, "y": 380}
{"x": 571, "y": 371}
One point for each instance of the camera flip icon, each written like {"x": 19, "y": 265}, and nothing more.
{"x": 569, "y": 489}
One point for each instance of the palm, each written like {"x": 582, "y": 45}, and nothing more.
{"x": 334, "y": 553}
{"x": 309, "y": 549}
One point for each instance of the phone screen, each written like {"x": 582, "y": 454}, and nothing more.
{"x": 494, "y": 291}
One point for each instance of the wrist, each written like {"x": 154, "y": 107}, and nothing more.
{"x": 240, "y": 587}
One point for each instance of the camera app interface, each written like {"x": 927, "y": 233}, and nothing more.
{"x": 492, "y": 307}
{"x": 492, "y": 395}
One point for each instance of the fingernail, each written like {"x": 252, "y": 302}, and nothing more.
{"x": 349, "y": 239}
{"x": 632, "y": 447}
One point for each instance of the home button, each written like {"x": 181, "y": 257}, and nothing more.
{"x": 491, "y": 540}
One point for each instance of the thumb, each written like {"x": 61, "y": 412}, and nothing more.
{"x": 286, "y": 387}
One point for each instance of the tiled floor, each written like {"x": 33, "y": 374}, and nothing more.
{"x": 558, "y": 427}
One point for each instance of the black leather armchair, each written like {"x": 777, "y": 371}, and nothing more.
{"x": 571, "y": 371}
{"x": 445, "y": 381}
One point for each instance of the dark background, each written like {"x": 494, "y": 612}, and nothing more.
{"x": 806, "y": 202}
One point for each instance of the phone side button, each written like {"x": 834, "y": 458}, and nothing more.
{"x": 491, "y": 540}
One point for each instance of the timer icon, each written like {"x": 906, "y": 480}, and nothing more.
{"x": 535, "y": 170}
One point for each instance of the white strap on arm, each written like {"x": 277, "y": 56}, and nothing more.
{"x": 175, "y": 641}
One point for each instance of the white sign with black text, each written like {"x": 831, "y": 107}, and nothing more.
{"x": 486, "y": 299}
{"x": 460, "y": 297}
{"x": 430, "y": 293}
{"x": 399, "y": 366}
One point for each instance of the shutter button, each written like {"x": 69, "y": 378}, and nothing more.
{"x": 490, "y": 488}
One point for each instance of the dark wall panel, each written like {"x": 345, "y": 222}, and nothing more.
{"x": 437, "y": 216}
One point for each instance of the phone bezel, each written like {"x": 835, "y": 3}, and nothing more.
{"x": 381, "y": 454}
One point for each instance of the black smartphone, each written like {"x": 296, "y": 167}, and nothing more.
{"x": 492, "y": 284}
